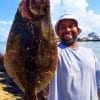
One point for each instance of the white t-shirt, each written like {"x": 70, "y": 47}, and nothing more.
{"x": 76, "y": 76}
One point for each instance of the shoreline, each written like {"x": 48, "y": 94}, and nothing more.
{"x": 88, "y": 40}
{"x": 8, "y": 89}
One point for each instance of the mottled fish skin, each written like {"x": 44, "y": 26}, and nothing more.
{"x": 31, "y": 50}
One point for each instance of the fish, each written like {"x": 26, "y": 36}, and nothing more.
{"x": 31, "y": 54}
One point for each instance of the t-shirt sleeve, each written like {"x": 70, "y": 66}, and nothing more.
{"x": 97, "y": 73}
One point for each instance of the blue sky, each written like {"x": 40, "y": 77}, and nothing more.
{"x": 87, "y": 12}
{"x": 94, "y": 5}
{"x": 7, "y": 9}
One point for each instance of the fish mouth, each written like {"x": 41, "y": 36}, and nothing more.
{"x": 34, "y": 7}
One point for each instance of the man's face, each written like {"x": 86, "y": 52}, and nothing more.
{"x": 68, "y": 31}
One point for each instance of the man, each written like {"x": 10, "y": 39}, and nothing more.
{"x": 77, "y": 76}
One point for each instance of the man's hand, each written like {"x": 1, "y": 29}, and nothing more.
{"x": 43, "y": 95}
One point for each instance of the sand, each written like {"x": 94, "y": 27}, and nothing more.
{"x": 8, "y": 89}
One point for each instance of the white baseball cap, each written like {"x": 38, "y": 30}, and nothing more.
{"x": 66, "y": 16}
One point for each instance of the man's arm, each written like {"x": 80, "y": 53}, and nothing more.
{"x": 98, "y": 76}
{"x": 98, "y": 89}
{"x": 99, "y": 94}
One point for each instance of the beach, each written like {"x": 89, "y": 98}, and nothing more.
{"x": 8, "y": 89}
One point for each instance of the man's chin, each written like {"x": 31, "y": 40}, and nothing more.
{"x": 68, "y": 43}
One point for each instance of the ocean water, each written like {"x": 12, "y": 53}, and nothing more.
{"x": 2, "y": 47}
{"x": 95, "y": 46}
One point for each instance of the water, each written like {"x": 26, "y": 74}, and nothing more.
{"x": 2, "y": 47}
{"x": 93, "y": 45}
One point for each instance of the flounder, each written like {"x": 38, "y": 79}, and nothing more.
{"x": 31, "y": 49}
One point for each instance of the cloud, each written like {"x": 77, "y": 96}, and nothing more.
{"x": 5, "y": 22}
{"x": 88, "y": 20}
{"x": 4, "y": 29}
